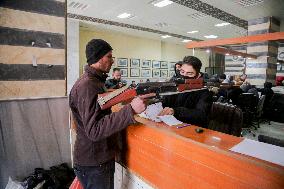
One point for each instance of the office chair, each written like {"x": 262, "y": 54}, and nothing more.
{"x": 226, "y": 118}
{"x": 248, "y": 103}
{"x": 271, "y": 140}
{"x": 259, "y": 110}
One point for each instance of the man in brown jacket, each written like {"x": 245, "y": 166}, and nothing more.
{"x": 95, "y": 144}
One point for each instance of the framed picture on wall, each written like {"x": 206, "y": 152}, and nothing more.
{"x": 146, "y": 64}
{"x": 124, "y": 72}
{"x": 122, "y": 62}
{"x": 134, "y": 72}
{"x": 156, "y": 64}
{"x": 164, "y": 64}
{"x": 134, "y": 63}
{"x": 171, "y": 73}
{"x": 156, "y": 73}
{"x": 146, "y": 73}
{"x": 172, "y": 65}
{"x": 164, "y": 73}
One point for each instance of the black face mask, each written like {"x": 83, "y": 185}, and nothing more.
{"x": 185, "y": 77}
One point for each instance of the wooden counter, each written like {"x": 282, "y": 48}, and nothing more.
{"x": 169, "y": 158}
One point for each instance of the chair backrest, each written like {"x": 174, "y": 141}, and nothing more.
{"x": 226, "y": 118}
{"x": 260, "y": 106}
{"x": 248, "y": 101}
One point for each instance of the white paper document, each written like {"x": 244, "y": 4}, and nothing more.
{"x": 152, "y": 111}
{"x": 170, "y": 120}
{"x": 267, "y": 152}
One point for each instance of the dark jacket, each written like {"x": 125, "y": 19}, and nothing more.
{"x": 193, "y": 107}
{"x": 96, "y": 129}
{"x": 112, "y": 84}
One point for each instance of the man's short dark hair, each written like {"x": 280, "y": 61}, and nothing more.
{"x": 194, "y": 62}
{"x": 179, "y": 63}
{"x": 115, "y": 69}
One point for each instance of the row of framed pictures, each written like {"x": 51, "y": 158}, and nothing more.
{"x": 135, "y": 63}
{"x": 137, "y": 72}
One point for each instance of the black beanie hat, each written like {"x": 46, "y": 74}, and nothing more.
{"x": 96, "y": 49}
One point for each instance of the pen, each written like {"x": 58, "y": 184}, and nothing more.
{"x": 185, "y": 125}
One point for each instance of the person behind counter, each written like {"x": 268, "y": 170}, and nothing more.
{"x": 192, "y": 107}
{"x": 133, "y": 84}
{"x": 96, "y": 142}
{"x": 177, "y": 70}
{"x": 115, "y": 82}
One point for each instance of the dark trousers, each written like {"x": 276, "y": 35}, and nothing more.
{"x": 96, "y": 177}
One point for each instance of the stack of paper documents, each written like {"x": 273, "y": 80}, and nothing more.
{"x": 152, "y": 111}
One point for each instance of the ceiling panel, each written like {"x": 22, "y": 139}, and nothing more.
{"x": 176, "y": 18}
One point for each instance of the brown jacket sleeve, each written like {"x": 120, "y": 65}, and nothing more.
{"x": 99, "y": 124}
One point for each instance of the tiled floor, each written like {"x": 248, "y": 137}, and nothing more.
{"x": 275, "y": 130}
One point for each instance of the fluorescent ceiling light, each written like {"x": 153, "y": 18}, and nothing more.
{"x": 222, "y": 24}
{"x": 162, "y": 3}
{"x": 210, "y": 36}
{"x": 192, "y": 32}
{"x": 186, "y": 40}
{"x": 165, "y": 36}
{"x": 124, "y": 15}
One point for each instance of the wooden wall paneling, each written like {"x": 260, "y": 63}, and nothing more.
{"x": 196, "y": 157}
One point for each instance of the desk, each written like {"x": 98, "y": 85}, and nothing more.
{"x": 171, "y": 158}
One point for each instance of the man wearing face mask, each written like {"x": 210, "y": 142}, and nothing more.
{"x": 192, "y": 107}
{"x": 96, "y": 140}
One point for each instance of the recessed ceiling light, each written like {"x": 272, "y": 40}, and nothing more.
{"x": 186, "y": 40}
{"x": 222, "y": 24}
{"x": 162, "y": 3}
{"x": 77, "y": 5}
{"x": 191, "y": 32}
{"x": 249, "y": 58}
{"x": 165, "y": 36}
{"x": 197, "y": 15}
{"x": 210, "y": 36}
{"x": 162, "y": 24}
{"x": 247, "y": 3}
{"x": 240, "y": 56}
{"x": 277, "y": 63}
{"x": 227, "y": 54}
{"x": 208, "y": 50}
{"x": 124, "y": 15}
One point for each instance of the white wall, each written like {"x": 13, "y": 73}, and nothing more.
{"x": 126, "y": 46}
{"x": 72, "y": 53}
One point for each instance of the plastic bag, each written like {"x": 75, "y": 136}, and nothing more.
{"x": 13, "y": 184}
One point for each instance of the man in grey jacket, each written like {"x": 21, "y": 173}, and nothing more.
{"x": 96, "y": 140}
